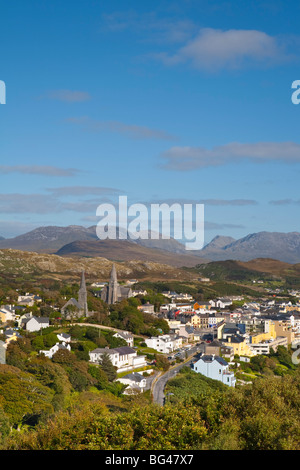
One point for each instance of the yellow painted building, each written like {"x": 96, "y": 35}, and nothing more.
{"x": 283, "y": 328}
{"x": 195, "y": 321}
{"x": 290, "y": 308}
{"x": 260, "y": 337}
{"x": 239, "y": 345}
{"x": 13, "y": 337}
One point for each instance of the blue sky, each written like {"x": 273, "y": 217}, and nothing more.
{"x": 160, "y": 101}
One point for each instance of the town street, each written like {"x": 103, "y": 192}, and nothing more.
{"x": 159, "y": 384}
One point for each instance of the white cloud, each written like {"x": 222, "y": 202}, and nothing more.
{"x": 214, "y": 49}
{"x": 38, "y": 170}
{"x": 17, "y": 203}
{"x": 190, "y": 158}
{"x": 130, "y": 130}
{"x": 208, "y": 202}
{"x": 284, "y": 202}
{"x": 82, "y": 190}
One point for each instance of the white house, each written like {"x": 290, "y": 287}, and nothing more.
{"x": 128, "y": 337}
{"x": 123, "y": 358}
{"x": 215, "y": 367}
{"x": 136, "y": 382}
{"x": 27, "y": 299}
{"x": 139, "y": 292}
{"x": 183, "y": 296}
{"x": 49, "y": 353}
{"x": 64, "y": 337}
{"x": 221, "y": 303}
{"x": 164, "y": 343}
{"x": 99, "y": 284}
{"x": 34, "y": 323}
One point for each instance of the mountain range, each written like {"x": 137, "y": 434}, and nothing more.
{"x": 75, "y": 240}
{"x": 275, "y": 245}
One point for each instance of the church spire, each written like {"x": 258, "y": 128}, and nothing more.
{"x": 113, "y": 286}
{"x": 82, "y": 283}
{"x": 82, "y": 295}
{"x": 113, "y": 274}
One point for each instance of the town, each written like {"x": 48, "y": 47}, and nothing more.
{"x": 79, "y": 346}
{"x": 221, "y": 335}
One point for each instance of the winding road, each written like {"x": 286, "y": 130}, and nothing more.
{"x": 158, "y": 385}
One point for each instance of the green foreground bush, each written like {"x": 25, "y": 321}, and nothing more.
{"x": 253, "y": 417}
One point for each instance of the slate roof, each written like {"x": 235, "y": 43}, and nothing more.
{"x": 135, "y": 376}
{"x": 211, "y": 358}
{"x": 64, "y": 335}
{"x": 38, "y": 319}
{"x": 72, "y": 301}
{"x": 122, "y": 350}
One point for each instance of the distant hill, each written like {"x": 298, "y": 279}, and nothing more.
{"x": 124, "y": 250}
{"x": 227, "y": 277}
{"x": 233, "y": 270}
{"x": 215, "y": 246}
{"x": 284, "y": 247}
{"x": 275, "y": 245}
{"x": 263, "y": 269}
{"x": 50, "y": 239}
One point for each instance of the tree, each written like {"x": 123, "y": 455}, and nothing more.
{"x": 24, "y": 399}
{"x": 38, "y": 343}
{"x": 64, "y": 357}
{"x": 15, "y": 356}
{"x": 50, "y": 374}
{"x": 108, "y": 367}
{"x": 79, "y": 377}
{"x": 162, "y": 362}
{"x": 50, "y": 340}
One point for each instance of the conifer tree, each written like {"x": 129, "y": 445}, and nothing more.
{"x": 108, "y": 367}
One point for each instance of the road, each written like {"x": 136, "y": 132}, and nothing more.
{"x": 160, "y": 383}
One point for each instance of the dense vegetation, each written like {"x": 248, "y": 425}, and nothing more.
{"x": 200, "y": 415}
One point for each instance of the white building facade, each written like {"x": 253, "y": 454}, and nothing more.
{"x": 165, "y": 343}
{"x": 123, "y": 358}
{"x": 216, "y": 368}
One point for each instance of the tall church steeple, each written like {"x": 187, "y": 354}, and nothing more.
{"x": 113, "y": 286}
{"x": 82, "y": 295}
